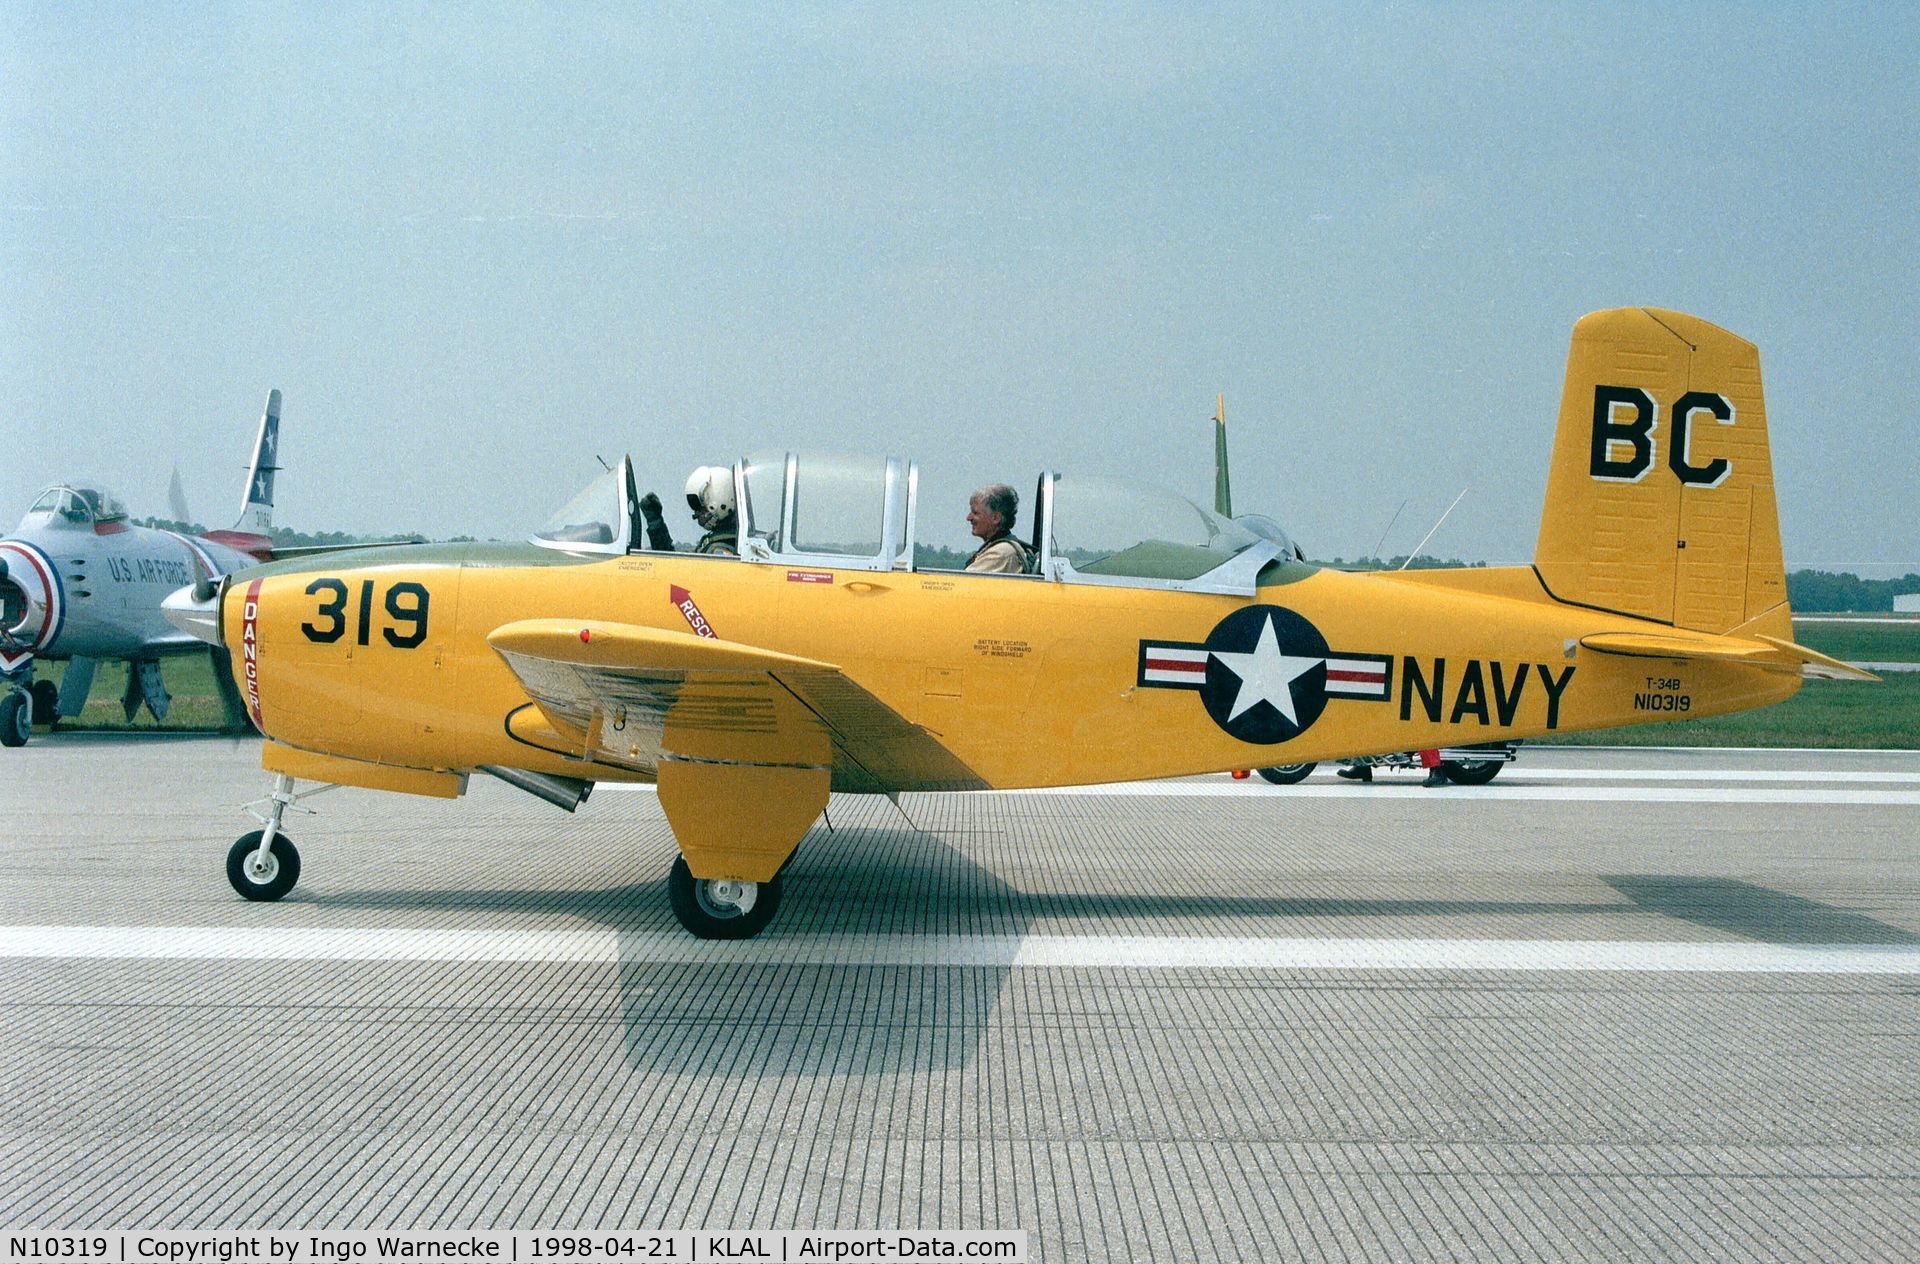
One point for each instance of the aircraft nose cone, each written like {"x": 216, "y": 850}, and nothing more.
{"x": 195, "y": 610}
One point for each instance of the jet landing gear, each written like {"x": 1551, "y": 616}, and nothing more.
{"x": 720, "y": 908}
{"x": 16, "y": 718}
{"x": 264, "y": 864}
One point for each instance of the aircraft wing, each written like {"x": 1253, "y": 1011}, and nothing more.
{"x": 282, "y": 552}
{"x": 635, "y": 696}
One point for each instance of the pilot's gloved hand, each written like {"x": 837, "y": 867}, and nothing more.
{"x": 658, "y": 537}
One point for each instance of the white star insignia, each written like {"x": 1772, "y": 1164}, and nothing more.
{"x": 1266, "y": 675}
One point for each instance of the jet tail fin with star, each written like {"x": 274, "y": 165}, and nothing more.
{"x": 256, "y": 507}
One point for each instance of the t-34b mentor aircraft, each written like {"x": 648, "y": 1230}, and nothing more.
{"x": 79, "y": 583}
{"x": 1156, "y": 638}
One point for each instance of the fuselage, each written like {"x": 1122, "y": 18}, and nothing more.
{"x": 1028, "y": 681}
{"x": 93, "y": 589}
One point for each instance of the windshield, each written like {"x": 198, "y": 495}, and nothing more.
{"x": 595, "y": 519}
{"x": 1107, "y": 526}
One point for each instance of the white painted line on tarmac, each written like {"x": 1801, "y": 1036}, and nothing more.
{"x": 1225, "y": 787}
{"x": 1128, "y": 952}
{"x": 1522, "y": 771}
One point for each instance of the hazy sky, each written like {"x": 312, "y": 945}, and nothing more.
{"x": 475, "y": 247}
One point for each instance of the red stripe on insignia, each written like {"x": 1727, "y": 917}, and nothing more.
{"x": 1176, "y": 664}
{"x": 1358, "y": 677}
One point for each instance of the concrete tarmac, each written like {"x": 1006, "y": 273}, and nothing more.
{"x": 1654, "y": 1005}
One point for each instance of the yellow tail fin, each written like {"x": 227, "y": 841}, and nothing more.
{"x": 1660, "y": 496}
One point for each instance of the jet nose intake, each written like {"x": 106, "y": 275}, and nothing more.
{"x": 18, "y": 622}
{"x": 29, "y": 604}
{"x": 195, "y": 610}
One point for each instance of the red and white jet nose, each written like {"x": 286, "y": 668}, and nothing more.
{"x": 31, "y": 609}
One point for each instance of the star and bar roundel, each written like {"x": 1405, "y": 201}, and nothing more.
{"x": 1264, "y": 673}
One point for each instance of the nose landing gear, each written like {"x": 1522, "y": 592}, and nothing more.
{"x": 264, "y": 864}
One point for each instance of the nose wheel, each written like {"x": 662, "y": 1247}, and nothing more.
{"x": 720, "y": 908}
{"x": 263, "y": 873}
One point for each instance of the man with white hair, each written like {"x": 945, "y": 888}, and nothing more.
{"x": 990, "y": 513}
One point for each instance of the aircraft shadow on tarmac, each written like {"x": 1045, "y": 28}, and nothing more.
{"x": 1754, "y": 912}
{"x": 804, "y": 1020}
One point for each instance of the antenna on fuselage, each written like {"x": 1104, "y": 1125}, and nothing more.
{"x": 1429, "y": 535}
{"x": 1390, "y": 522}
{"x": 1222, "y": 485}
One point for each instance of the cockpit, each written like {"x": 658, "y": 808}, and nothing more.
{"x": 864, "y": 513}
{"x": 78, "y": 505}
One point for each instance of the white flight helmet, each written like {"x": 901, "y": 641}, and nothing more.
{"x": 710, "y": 494}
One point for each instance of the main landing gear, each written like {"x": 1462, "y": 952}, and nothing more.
{"x": 16, "y": 717}
{"x": 264, "y": 864}
{"x": 721, "y": 908}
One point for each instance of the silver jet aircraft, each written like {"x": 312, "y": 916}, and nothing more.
{"x": 79, "y": 582}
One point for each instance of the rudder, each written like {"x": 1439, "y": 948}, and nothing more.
{"x": 1660, "y": 495}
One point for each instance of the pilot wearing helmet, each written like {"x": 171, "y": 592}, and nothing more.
{"x": 710, "y": 498}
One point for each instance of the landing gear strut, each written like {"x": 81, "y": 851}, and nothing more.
{"x": 264, "y": 864}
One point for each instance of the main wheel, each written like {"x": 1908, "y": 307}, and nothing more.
{"x": 1471, "y": 772}
{"x": 46, "y": 702}
{"x": 258, "y": 880}
{"x": 720, "y": 908}
{"x": 1288, "y": 774}
{"x": 16, "y": 718}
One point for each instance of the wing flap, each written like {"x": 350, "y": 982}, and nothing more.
{"x": 635, "y": 696}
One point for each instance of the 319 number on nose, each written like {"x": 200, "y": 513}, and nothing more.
{"x": 405, "y": 604}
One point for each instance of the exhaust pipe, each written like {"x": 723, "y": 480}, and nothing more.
{"x": 565, "y": 793}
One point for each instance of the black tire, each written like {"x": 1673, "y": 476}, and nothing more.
{"x": 705, "y": 918}
{"x": 1287, "y": 774}
{"x": 16, "y": 719}
{"x": 46, "y": 702}
{"x": 283, "y": 871}
{"x": 1471, "y": 772}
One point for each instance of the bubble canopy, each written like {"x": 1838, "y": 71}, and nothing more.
{"x": 79, "y": 503}
{"x": 860, "y": 513}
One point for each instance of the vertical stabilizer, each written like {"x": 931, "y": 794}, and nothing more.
{"x": 256, "y": 508}
{"x": 1660, "y": 496}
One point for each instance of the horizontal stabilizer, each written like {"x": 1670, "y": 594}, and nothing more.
{"x": 1817, "y": 665}
{"x": 1764, "y": 652}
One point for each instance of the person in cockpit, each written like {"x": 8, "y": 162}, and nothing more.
{"x": 990, "y": 513}
{"x": 710, "y": 498}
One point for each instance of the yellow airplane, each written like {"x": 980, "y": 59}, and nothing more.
{"x": 1157, "y": 639}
